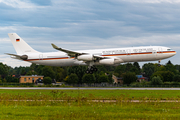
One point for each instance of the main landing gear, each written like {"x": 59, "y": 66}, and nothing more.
{"x": 91, "y": 69}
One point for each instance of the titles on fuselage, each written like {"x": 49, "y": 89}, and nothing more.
{"x": 124, "y": 51}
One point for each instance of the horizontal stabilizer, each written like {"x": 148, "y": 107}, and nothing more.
{"x": 21, "y": 57}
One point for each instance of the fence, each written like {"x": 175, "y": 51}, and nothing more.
{"x": 83, "y": 85}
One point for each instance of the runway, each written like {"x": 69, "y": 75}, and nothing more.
{"x": 80, "y": 88}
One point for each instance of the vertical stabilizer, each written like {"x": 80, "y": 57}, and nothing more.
{"x": 20, "y": 45}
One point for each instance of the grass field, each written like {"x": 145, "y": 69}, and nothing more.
{"x": 47, "y": 104}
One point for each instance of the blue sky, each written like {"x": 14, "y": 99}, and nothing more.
{"x": 89, "y": 24}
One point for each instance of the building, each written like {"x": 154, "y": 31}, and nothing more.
{"x": 117, "y": 80}
{"x": 141, "y": 78}
{"x": 29, "y": 79}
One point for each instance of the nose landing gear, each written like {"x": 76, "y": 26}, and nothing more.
{"x": 159, "y": 63}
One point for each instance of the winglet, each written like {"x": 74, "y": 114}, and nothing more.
{"x": 54, "y": 46}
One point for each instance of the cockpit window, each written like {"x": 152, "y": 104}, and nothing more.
{"x": 169, "y": 49}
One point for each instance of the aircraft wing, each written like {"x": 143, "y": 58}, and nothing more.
{"x": 69, "y": 52}
{"x": 75, "y": 54}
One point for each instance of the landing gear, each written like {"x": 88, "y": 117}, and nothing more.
{"x": 159, "y": 63}
{"x": 91, "y": 69}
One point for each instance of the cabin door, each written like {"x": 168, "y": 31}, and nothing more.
{"x": 160, "y": 50}
{"x": 128, "y": 51}
{"x": 40, "y": 56}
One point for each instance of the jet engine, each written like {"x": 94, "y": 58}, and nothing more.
{"x": 88, "y": 57}
{"x": 110, "y": 61}
{"x": 24, "y": 57}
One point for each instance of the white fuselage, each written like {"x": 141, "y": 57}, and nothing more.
{"x": 131, "y": 54}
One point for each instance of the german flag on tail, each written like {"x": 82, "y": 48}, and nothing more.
{"x": 17, "y": 40}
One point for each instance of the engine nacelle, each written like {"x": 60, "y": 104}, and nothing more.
{"x": 85, "y": 57}
{"x": 24, "y": 57}
{"x": 110, "y": 61}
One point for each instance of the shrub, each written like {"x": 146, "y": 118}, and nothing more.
{"x": 166, "y": 76}
{"x": 157, "y": 74}
{"x": 47, "y": 80}
{"x": 103, "y": 78}
{"x": 129, "y": 77}
{"x": 88, "y": 78}
{"x": 176, "y": 78}
{"x": 72, "y": 79}
{"x": 156, "y": 81}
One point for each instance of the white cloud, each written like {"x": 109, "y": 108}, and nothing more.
{"x": 82, "y": 24}
{"x": 152, "y": 1}
{"x": 20, "y": 4}
{"x": 162, "y": 40}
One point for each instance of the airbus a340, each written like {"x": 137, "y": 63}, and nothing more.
{"x": 91, "y": 58}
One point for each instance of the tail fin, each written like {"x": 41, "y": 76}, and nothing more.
{"x": 20, "y": 45}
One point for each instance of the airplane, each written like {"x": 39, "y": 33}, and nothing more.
{"x": 90, "y": 58}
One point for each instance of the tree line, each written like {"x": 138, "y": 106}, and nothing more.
{"x": 76, "y": 74}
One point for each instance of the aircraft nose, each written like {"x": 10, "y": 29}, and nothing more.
{"x": 174, "y": 53}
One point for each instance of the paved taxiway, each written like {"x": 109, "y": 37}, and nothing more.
{"x": 76, "y": 88}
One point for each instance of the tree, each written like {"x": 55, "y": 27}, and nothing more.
{"x": 47, "y": 80}
{"x": 101, "y": 68}
{"x": 39, "y": 69}
{"x": 110, "y": 80}
{"x": 33, "y": 66}
{"x": 170, "y": 67}
{"x": 177, "y": 67}
{"x": 135, "y": 70}
{"x": 78, "y": 70}
{"x": 120, "y": 70}
{"x": 48, "y": 72}
{"x": 167, "y": 76}
{"x": 31, "y": 73}
{"x": 3, "y": 70}
{"x": 60, "y": 74}
{"x": 88, "y": 78}
{"x": 72, "y": 79}
{"x": 176, "y": 78}
{"x": 136, "y": 65}
{"x": 11, "y": 79}
{"x": 102, "y": 78}
{"x": 156, "y": 81}
{"x": 149, "y": 69}
{"x": 129, "y": 66}
{"x": 129, "y": 77}
{"x": 157, "y": 74}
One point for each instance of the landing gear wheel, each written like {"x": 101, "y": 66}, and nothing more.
{"x": 95, "y": 69}
{"x": 91, "y": 70}
{"x": 87, "y": 71}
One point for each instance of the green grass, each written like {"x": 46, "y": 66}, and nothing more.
{"x": 92, "y": 94}
{"x": 89, "y": 111}
{"x": 77, "y": 106}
